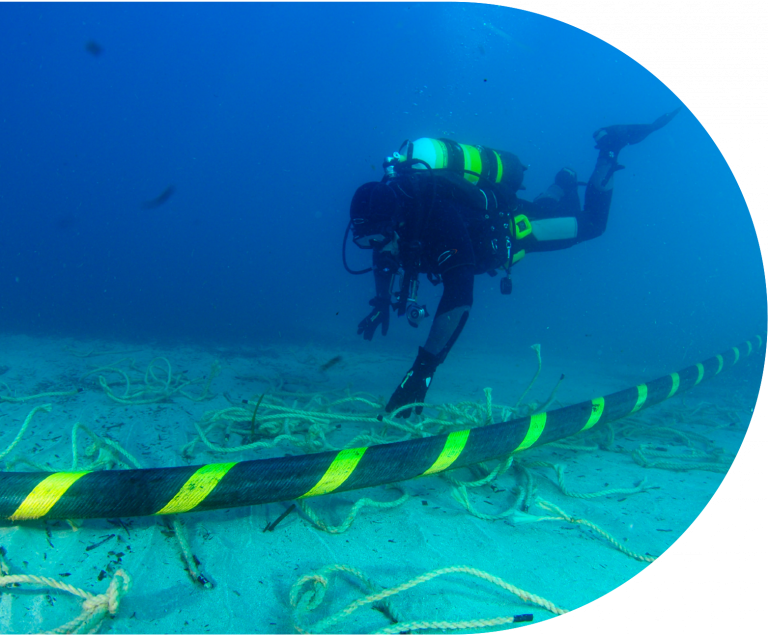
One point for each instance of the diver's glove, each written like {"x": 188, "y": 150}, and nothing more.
{"x": 566, "y": 180}
{"x": 379, "y": 315}
{"x": 413, "y": 387}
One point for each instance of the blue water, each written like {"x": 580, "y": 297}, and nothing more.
{"x": 266, "y": 117}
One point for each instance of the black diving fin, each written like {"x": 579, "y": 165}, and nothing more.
{"x": 613, "y": 138}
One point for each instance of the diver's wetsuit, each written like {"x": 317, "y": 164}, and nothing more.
{"x": 459, "y": 242}
{"x": 462, "y": 233}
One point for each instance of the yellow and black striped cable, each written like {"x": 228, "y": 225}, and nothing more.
{"x": 116, "y": 493}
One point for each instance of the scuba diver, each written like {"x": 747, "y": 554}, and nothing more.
{"x": 451, "y": 211}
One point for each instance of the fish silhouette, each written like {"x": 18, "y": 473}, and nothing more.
{"x": 160, "y": 200}
{"x": 94, "y": 48}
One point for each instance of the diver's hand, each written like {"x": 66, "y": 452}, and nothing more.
{"x": 413, "y": 387}
{"x": 379, "y": 315}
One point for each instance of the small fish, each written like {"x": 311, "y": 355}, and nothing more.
{"x": 331, "y": 363}
{"x": 94, "y": 48}
{"x": 160, "y": 200}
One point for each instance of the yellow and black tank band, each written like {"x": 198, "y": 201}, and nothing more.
{"x": 116, "y": 493}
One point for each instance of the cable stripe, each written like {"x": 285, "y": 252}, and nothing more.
{"x": 675, "y": 384}
{"x": 197, "y": 488}
{"x": 535, "y": 428}
{"x": 598, "y": 406}
{"x": 454, "y": 445}
{"x": 719, "y": 364}
{"x": 700, "y": 368}
{"x": 343, "y": 465}
{"x": 642, "y": 395}
{"x": 735, "y": 354}
{"x": 45, "y": 495}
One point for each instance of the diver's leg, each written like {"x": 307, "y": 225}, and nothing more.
{"x": 610, "y": 140}
{"x": 446, "y": 328}
{"x": 597, "y": 198}
{"x": 452, "y": 314}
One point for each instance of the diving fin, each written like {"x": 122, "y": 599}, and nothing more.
{"x": 614, "y": 138}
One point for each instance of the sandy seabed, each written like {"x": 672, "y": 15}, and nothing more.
{"x": 252, "y": 571}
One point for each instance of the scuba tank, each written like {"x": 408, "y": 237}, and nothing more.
{"x": 472, "y": 162}
{"x": 485, "y": 173}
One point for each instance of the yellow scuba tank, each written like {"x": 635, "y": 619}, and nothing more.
{"x": 473, "y": 162}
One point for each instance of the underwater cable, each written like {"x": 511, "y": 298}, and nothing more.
{"x": 175, "y": 490}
